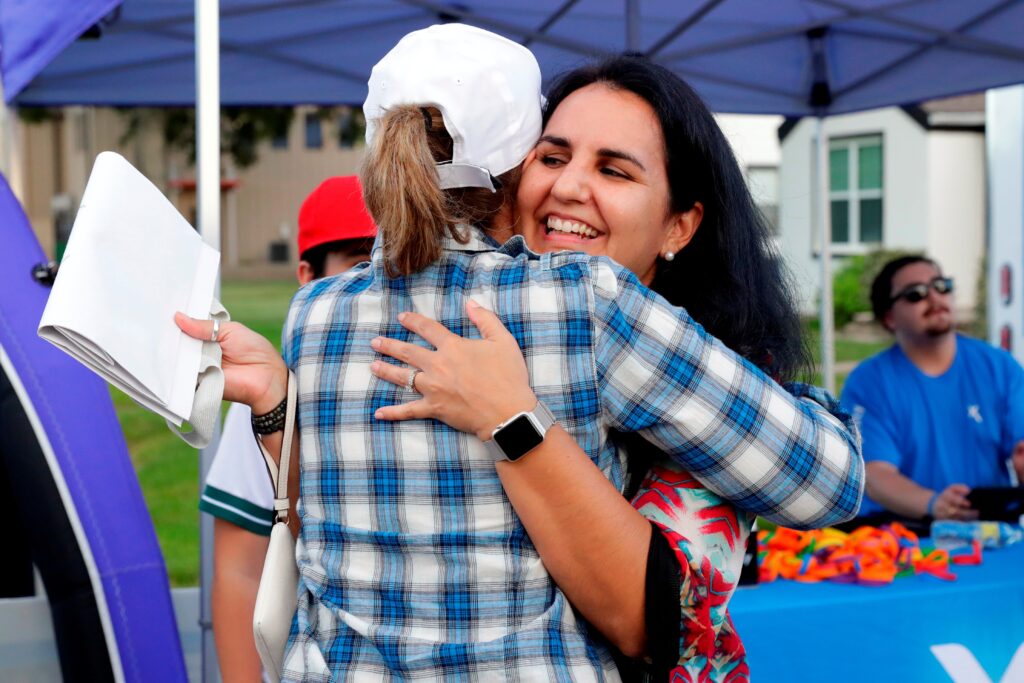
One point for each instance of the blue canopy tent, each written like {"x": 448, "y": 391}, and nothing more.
{"x": 791, "y": 57}
{"x": 32, "y": 34}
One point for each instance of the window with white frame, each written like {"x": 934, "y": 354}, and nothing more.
{"x": 855, "y": 190}
{"x": 763, "y": 182}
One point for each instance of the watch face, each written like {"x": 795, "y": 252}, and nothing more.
{"x": 518, "y": 437}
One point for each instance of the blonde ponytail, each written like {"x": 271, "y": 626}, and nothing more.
{"x": 402, "y": 192}
{"x": 400, "y": 188}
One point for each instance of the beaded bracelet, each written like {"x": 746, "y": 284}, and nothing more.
{"x": 271, "y": 422}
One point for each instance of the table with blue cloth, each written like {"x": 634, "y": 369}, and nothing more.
{"x": 917, "y": 628}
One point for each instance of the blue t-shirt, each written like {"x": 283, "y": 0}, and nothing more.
{"x": 959, "y": 427}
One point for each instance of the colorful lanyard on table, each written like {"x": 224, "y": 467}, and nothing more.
{"x": 869, "y": 556}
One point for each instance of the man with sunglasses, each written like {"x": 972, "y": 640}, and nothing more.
{"x": 939, "y": 413}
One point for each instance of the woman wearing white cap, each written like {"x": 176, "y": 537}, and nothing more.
{"x": 413, "y": 563}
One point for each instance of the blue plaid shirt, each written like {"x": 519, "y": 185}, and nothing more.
{"x": 413, "y": 562}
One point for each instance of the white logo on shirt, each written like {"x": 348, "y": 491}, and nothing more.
{"x": 974, "y": 412}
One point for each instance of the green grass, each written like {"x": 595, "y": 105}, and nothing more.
{"x": 850, "y": 350}
{"x": 260, "y": 305}
{"x": 168, "y": 469}
{"x": 847, "y": 350}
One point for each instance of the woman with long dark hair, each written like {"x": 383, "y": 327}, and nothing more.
{"x": 589, "y": 188}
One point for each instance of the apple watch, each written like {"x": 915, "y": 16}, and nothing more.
{"x": 520, "y": 434}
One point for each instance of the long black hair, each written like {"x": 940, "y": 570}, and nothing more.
{"x": 729, "y": 277}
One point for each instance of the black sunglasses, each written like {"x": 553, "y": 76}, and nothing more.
{"x": 919, "y": 292}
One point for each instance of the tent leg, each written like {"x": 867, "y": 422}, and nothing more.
{"x": 823, "y": 221}
{"x": 632, "y": 25}
{"x": 207, "y": 14}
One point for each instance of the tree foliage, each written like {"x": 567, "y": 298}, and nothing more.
{"x": 36, "y": 115}
{"x": 242, "y": 129}
{"x": 851, "y": 284}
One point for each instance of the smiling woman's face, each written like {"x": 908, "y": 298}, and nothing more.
{"x": 596, "y": 182}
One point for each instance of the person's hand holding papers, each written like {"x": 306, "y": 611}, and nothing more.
{"x": 254, "y": 372}
{"x": 132, "y": 260}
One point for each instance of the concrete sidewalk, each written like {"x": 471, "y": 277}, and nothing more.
{"x": 28, "y": 653}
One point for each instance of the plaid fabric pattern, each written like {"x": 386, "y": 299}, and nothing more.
{"x": 413, "y": 563}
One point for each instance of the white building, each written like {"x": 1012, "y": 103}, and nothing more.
{"x": 755, "y": 142}
{"x": 259, "y": 204}
{"x": 908, "y": 179}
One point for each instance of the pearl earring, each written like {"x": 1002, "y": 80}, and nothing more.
{"x": 669, "y": 255}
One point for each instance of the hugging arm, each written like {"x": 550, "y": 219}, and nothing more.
{"x": 739, "y": 433}
{"x": 599, "y": 549}
{"x": 784, "y": 457}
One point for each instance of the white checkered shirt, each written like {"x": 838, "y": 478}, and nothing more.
{"x": 413, "y": 563}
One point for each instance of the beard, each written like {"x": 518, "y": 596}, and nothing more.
{"x": 936, "y": 324}
{"x": 940, "y": 329}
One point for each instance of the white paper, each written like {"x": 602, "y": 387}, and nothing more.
{"x": 131, "y": 262}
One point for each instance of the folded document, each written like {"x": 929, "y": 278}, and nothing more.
{"x": 131, "y": 262}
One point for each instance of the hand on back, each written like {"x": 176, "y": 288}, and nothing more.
{"x": 471, "y": 385}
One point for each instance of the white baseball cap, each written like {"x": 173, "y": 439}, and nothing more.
{"x": 486, "y": 86}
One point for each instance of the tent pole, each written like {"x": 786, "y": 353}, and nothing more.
{"x": 823, "y": 221}
{"x": 632, "y": 25}
{"x": 207, "y": 13}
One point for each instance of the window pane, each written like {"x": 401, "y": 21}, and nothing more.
{"x": 314, "y": 134}
{"x": 871, "y": 220}
{"x": 840, "y": 220}
{"x": 839, "y": 169}
{"x": 346, "y": 129}
{"x": 870, "y": 172}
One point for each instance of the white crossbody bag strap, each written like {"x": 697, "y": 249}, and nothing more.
{"x": 279, "y": 483}
{"x": 277, "y": 596}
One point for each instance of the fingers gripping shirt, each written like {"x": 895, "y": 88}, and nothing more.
{"x": 413, "y": 562}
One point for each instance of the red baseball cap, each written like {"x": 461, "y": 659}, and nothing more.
{"x": 334, "y": 211}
